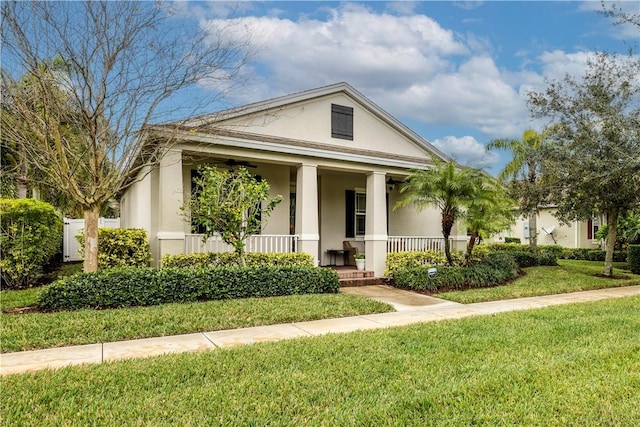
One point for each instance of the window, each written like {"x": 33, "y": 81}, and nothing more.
{"x": 341, "y": 122}
{"x": 355, "y": 213}
{"x": 592, "y": 228}
{"x": 360, "y": 213}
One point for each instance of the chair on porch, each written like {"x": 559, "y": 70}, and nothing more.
{"x": 349, "y": 253}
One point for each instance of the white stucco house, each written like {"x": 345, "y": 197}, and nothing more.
{"x": 551, "y": 231}
{"x": 333, "y": 155}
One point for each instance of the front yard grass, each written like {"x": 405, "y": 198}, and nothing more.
{"x": 570, "y": 276}
{"x": 574, "y": 365}
{"x": 42, "y": 330}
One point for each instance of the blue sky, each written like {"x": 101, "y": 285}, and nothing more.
{"x": 457, "y": 73}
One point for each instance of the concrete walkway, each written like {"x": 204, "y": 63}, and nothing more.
{"x": 412, "y": 308}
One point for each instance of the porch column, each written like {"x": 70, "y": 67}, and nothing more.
{"x": 375, "y": 239}
{"x": 307, "y": 210}
{"x": 170, "y": 199}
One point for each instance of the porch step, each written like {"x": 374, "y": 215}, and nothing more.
{"x": 362, "y": 281}
{"x": 357, "y": 278}
{"x": 354, "y": 274}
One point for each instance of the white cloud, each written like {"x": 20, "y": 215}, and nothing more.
{"x": 557, "y": 64}
{"x": 467, "y": 151}
{"x": 409, "y": 65}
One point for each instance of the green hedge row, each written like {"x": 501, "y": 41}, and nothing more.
{"x": 410, "y": 259}
{"x": 31, "y": 235}
{"x": 527, "y": 259}
{"x": 230, "y": 259}
{"x": 556, "y": 250}
{"x": 495, "y": 269}
{"x": 592, "y": 254}
{"x": 121, "y": 247}
{"x": 633, "y": 258}
{"x": 150, "y": 286}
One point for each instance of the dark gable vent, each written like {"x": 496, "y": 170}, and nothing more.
{"x": 341, "y": 122}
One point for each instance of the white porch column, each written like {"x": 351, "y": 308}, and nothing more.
{"x": 170, "y": 199}
{"x": 375, "y": 239}
{"x": 307, "y": 210}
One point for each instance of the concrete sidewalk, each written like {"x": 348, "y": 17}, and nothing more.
{"x": 412, "y": 308}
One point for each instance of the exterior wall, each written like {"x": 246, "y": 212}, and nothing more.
{"x": 278, "y": 178}
{"x": 409, "y": 221}
{"x": 332, "y": 211}
{"x": 311, "y": 121}
{"x": 573, "y": 235}
{"x": 137, "y": 207}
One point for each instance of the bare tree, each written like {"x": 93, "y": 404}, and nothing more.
{"x": 123, "y": 65}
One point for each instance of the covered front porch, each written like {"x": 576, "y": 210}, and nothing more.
{"x": 327, "y": 206}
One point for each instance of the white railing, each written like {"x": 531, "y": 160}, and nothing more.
{"x": 281, "y": 243}
{"x": 420, "y": 243}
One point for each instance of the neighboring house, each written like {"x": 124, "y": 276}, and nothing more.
{"x": 577, "y": 234}
{"x": 334, "y": 156}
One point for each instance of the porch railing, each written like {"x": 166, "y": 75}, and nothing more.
{"x": 420, "y": 243}
{"x": 281, "y": 243}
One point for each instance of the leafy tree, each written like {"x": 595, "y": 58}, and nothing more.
{"x": 231, "y": 204}
{"x": 628, "y": 232}
{"x": 488, "y": 213}
{"x": 445, "y": 185}
{"x": 592, "y": 161}
{"x": 522, "y": 174}
{"x": 122, "y": 63}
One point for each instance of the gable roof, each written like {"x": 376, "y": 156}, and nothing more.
{"x": 210, "y": 120}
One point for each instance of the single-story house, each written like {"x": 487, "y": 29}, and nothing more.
{"x": 334, "y": 156}
{"x": 551, "y": 231}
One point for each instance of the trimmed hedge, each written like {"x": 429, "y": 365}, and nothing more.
{"x": 585, "y": 254}
{"x": 633, "y": 258}
{"x": 230, "y": 259}
{"x": 556, "y": 250}
{"x": 31, "y": 235}
{"x": 121, "y": 247}
{"x": 512, "y": 240}
{"x": 495, "y": 269}
{"x": 411, "y": 259}
{"x": 130, "y": 287}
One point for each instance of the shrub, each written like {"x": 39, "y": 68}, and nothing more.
{"x": 585, "y": 254}
{"x": 512, "y": 240}
{"x": 121, "y": 247}
{"x": 496, "y": 268}
{"x": 411, "y": 259}
{"x": 231, "y": 259}
{"x": 523, "y": 259}
{"x": 633, "y": 258}
{"x": 128, "y": 287}
{"x": 547, "y": 258}
{"x": 511, "y": 247}
{"x": 31, "y": 235}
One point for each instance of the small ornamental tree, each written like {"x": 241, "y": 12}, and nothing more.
{"x": 235, "y": 205}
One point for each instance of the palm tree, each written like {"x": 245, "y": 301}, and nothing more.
{"x": 445, "y": 185}
{"x": 523, "y": 172}
{"x": 488, "y": 213}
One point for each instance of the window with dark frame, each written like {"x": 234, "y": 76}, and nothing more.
{"x": 341, "y": 122}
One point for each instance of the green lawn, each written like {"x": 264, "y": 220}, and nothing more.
{"x": 570, "y": 276}
{"x": 43, "y": 330}
{"x": 574, "y": 365}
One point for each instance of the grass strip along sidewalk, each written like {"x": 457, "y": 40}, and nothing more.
{"x": 567, "y": 365}
{"x": 21, "y": 332}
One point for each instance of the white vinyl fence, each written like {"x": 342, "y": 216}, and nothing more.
{"x": 72, "y": 227}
